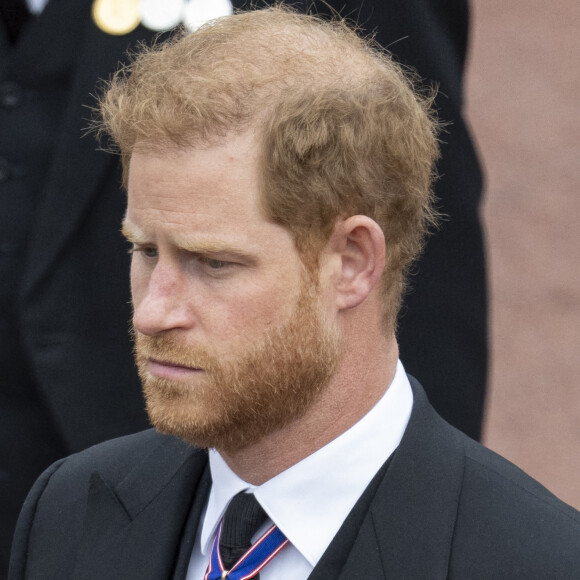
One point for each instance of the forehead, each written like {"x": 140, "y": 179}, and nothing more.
{"x": 203, "y": 197}
{"x": 219, "y": 181}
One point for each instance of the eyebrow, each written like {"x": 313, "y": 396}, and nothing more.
{"x": 207, "y": 248}
{"x": 131, "y": 232}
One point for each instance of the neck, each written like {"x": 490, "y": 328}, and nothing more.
{"x": 354, "y": 390}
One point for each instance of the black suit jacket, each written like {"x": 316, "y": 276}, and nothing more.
{"x": 446, "y": 507}
{"x": 74, "y": 294}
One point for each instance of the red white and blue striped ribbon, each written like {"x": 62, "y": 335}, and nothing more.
{"x": 270, "y": 543}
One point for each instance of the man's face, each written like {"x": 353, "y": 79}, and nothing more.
{"x": 232, "y": 337}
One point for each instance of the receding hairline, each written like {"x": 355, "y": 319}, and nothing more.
{"x": 282, "y": 51}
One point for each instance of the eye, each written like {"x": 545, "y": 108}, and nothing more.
{"x": 215, "y": 264}
{"x": 147, "y": 251}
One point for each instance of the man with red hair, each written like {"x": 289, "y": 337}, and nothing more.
{"x": 279, "y": 172}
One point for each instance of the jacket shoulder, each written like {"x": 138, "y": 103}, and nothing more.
{"x": 115, "y": 458}
{"x": 115, "y": 461}
{"x": 134, "y": 467}
{"x": 509, "y": 525}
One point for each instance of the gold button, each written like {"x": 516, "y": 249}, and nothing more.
{"x": 116, "y": 17}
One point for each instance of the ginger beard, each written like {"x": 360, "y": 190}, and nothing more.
{"x": 235, "y": 403}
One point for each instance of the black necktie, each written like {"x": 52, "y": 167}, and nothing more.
{"x": 15, "y": 14}
{"x": 241, "y": 521}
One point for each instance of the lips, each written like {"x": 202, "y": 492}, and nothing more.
{"x": 170, "y": 370}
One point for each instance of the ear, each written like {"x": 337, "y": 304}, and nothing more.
{"x": 359, "y": 243}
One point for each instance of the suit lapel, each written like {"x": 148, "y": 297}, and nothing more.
{"x": 144, "y": 516}
{"x": 407, "y": 533}
{"x": 78, "y": 168}
{"x": 364, "y": 560}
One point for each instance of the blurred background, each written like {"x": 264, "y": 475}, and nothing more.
{"x": 522, "y": 103}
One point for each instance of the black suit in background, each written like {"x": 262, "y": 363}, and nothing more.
{"x": 67, "y": 378}
{"x": 444, "y": 508}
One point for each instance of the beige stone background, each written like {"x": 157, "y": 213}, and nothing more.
{"x": 523, "y": 104}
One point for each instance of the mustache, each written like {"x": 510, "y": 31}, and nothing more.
{"x": 169, "y": 350}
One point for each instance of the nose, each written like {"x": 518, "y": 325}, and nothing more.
{"x": 160, "y": 301}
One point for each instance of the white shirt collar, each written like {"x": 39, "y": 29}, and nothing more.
{"x": 307, "y": 503}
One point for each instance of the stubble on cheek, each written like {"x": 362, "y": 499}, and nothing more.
{"x": 230, "y": 405}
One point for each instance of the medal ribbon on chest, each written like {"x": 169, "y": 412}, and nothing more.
{"x": 270, "y": 543}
